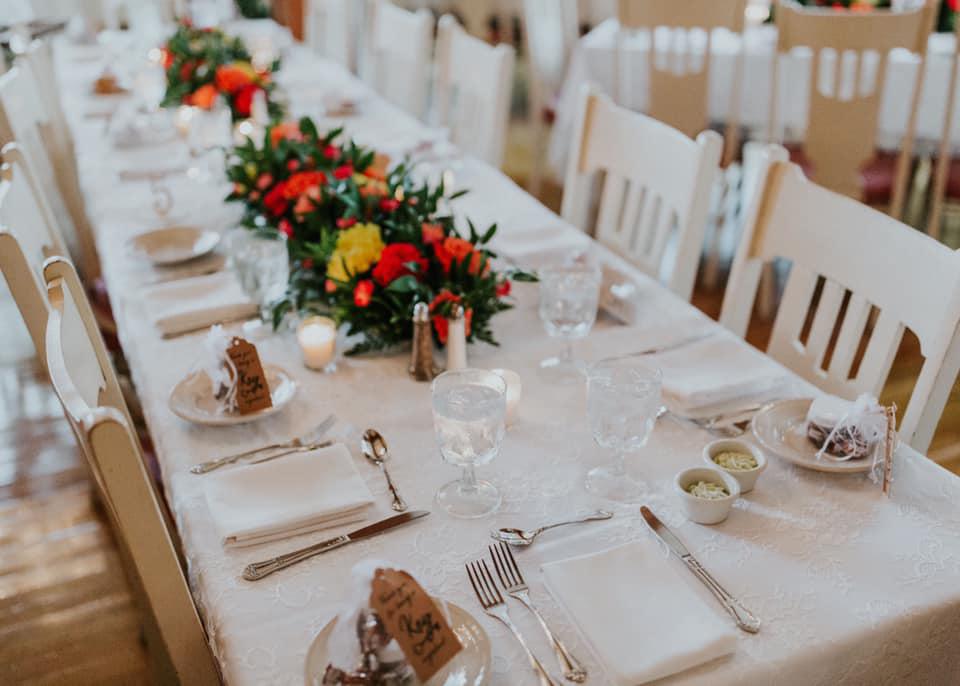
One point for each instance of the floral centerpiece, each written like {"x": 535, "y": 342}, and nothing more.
{"x": 366, "y": 241}
{"x": 204, "y": 65}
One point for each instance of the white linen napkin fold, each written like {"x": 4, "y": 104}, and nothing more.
{"x": 292, "y": 495}
{"x": 642, "y": 621}
{"x": 197, "y": 302}
{"x": 715, "y": 371}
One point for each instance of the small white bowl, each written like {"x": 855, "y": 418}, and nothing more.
{"x": 746, "y": 479}
{"x": 702, "y": 510}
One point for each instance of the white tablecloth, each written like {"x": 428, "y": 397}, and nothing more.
{"x": 853, "y": 587}
{"x": 592, "y": 61}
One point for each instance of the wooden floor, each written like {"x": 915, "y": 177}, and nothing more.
{"x": 66, "y": 613}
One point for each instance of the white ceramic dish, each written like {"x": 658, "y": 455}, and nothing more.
{"x": 470, "y": 667}
{"x": 780, "y": 429}
{"x": 174, "y": 244}
{"x": 703, "y": 510}
{"x": 192, "y": 399}
{"x": 746, "y": 479}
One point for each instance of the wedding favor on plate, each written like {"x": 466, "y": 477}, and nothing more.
{"x": 844, "y": 430}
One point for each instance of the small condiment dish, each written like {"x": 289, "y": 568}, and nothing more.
{"x": 746, "y": 479}
{"x": 705, "y": 510}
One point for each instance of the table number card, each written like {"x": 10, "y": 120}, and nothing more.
{"x": 253, "y": 392}
{"x": 415, "y": 620}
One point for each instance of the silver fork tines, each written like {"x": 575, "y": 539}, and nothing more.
{"x": 492, "y": 602}
{"x": 516, "y": 587}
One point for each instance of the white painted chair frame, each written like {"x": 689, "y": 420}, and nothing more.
{"x": 328, "y": 25}
{"x": 942, "y": 171}
{"x": 657, "y": 187}
{"x": 471, "y": 91}
{"x": 880, "y": 268}
{"x": 113, "y": 451}
{"x": 396, "y": 59}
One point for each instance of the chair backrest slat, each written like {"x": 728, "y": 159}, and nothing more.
{"x": 329, "y": 29}
{"x": 397, "y": 55}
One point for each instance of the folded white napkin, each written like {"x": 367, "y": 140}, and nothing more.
{"x": 717, "y": 370}
{"x": 195, "y": 303}
{"x": 292, "y": 495}
{"x": 641, "y": 619}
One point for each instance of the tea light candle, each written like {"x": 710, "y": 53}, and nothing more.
{"x": 318, "y": 339}
{"x": 514, "y": 388}
{"x": 183, "y": 118}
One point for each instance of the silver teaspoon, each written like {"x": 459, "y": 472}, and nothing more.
{"x": 522, "y": 537}
{"x": 374, "y": 448}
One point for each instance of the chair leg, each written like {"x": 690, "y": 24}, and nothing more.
{"x": 535, "y": 180}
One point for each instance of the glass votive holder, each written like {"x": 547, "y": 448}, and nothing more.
{"x": 317, "y": 337}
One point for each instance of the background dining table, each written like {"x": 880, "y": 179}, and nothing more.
{"x": 853, "y": 587}
{"x": 593, "y": 59}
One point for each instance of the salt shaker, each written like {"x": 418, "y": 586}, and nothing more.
{"x": 457, "y": 340}
{"x": 421, "y": 356}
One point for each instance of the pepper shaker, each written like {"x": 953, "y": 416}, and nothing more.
{"x": 421, "y": 356}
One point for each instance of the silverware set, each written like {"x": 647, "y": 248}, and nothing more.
{"x": 724, "y": 425}
{"x": 492, "y": 601}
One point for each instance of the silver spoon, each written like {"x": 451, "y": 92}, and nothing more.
{"x": 375, "y": 449}
{"x": 524, "y": 537}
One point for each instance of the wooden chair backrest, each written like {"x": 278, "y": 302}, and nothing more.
{"x": 843, "y": 112}
{"x": 472, "y": 89}
{"x": 875, "y": 276}
{"x": 945, "y": 153}
{"x": 397, "y": 55}
{"x": 678, "y": 79}
{"x": 657, "y": 187}
{"x": 114, "y": 455}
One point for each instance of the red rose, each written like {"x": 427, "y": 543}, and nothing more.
{"x": 440, "y": 322}
{"x": 331, "y": 152}
{"x": 503, "y": 288}
{"x": 293, "y": 165}
{"x": 166, "y": 58}
{"x": 363, "y": 293}
{"x": 343, "y": 172}
{"x": 346, "y": 222}
{"x": 307, "y": 263}
{"x": 275, "y": 200}
{"x": 230, "y": 78}
{"x": 394, "y": 260}
{"x": 286, "y": 228}
{"x": 243, "y": 100}
{"x": 264, "y": 181}
{"x": 186, "y": 70}
{"x": 389, "y": 204}
{"x": 329, "y": 286}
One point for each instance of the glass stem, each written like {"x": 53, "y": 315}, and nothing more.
{"x": 567, "y": 354}
{"x": 468, "y": 483}
{"x": 619, "y": 467}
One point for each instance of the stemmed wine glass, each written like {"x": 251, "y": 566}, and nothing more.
{"x": 263, "y": 267}
{"x": 623, "y": 400}
{"x": 569, "y": 296}
{"x": 469, "y": 413}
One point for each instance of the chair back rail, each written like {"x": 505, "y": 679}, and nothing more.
{"x": 399, "y": 69}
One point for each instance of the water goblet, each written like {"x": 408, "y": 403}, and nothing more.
{"x": 469, "y": 414}
{"x": 262, "y": 264}
{"x": 569, "y": 296}
{"x": 623, "y": 399}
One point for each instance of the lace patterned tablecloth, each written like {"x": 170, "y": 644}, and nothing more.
{"x": 853, "y": 587}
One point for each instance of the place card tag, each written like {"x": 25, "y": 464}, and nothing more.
{"x": 253, "y": 392}
{"x": 889, "y": 446}
{"x": 415, "y": 620}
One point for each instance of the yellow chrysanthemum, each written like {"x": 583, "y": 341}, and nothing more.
{"x": 358, "y": 248}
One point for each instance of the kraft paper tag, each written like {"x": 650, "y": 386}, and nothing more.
{"x": 415, "y": 620}
{"x": 253, "y": 392}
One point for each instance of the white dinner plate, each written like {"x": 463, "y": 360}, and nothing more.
{"x": 780, "y": 428}
{"x": 174, "y": 244}
{"x": 192, "y": 399}
{"x": 470, "y": 667}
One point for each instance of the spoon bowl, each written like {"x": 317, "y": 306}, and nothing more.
{"x": 524, "y": 537}
{"x": 374, "y": 448}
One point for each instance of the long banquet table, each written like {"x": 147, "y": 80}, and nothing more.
{"x": 853, "y": 587}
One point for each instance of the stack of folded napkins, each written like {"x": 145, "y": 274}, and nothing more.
{"x": 291, "y": 495}
{"x": 637, "y": 613}
{"x": 717, "y": 370}
{"x": 198, "y": 302}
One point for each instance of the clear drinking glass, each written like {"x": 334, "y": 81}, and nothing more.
{"x": 210, "y": 133}
{"x": 469, "y": 413}
{"x": 569, "y": 296}
{"x": 623, "y": 400}
{"x": 262, "y": 266}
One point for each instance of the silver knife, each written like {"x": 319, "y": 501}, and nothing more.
{"x": 258, "y": 570}
{"x": 745, "y": 619}
{"x": 674, "y": 345}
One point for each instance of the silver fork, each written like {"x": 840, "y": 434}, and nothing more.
{"x": 516, "y": 588}
{"x": 710, "y": 424}
{"x": 492, "y": 602}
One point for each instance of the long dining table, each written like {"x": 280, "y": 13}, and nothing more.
{"x": 853, "y": 586}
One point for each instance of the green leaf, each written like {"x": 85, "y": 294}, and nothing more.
{"x": 404, "y": 284}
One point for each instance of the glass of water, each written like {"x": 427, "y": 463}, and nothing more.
{"x": 569, "y": 296}
{"x": 469, "y": 411}
{"x": 263, "y": 267}
{"x": 623, "y": 401}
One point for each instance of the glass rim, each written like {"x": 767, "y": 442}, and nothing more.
{"x": 611, "y": 361}
{"x": 451, "y": 373}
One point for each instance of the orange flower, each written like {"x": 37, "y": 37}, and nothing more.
{"x": 305, "y": 183}
{"x": 288, "y": 130}
{"x": 204, "y": 96}
{"x": 363, "y": 293}
{"x": 378, "y": 168}
{"x": 431, "y": 233}
{"x": 232, "y": 77}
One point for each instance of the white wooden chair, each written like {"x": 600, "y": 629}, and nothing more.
{"x": 396, "y": 60}
{"x": 471, "y": 92}
{"x": 946, "y": 168}
{"x": 328, "y": 25}
{"x": 24, "y": 118}
{"x": 550, "y": 30}
{"x": 75, "y": 356}
{"x": 875, "y": 277}
{"x": 656, "y": 190}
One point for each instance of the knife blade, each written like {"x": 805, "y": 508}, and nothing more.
{"x": 674, "y": 345}
{"x": 258, "y": 570}
{"x": 745, "y": 619}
